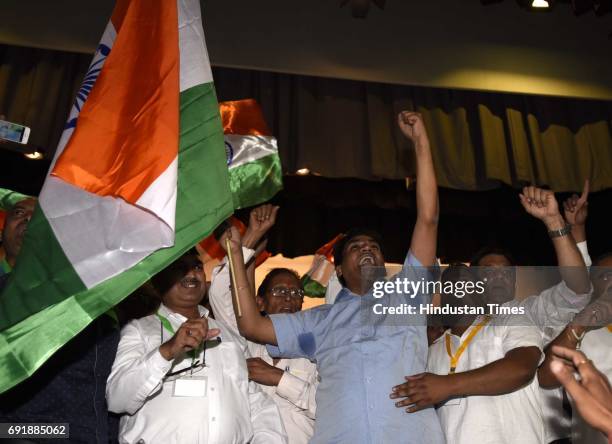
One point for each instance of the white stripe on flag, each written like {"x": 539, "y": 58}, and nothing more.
{"x": 160, "y": 197}
{"x": 245, "y": 149}
{"x": 101, "y": 236}
{"x": 194, "y": 70}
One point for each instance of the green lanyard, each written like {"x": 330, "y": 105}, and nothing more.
{"x": 168, "y": 326}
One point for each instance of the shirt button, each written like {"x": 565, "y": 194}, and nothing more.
{"x": 213, "y": 419}
{"x": 212, "y": 389}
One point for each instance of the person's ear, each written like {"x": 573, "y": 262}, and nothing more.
{"x": 260, "y": 303}
{"x": 338, "y": 270}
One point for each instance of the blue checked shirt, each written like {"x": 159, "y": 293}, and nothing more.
{"x": 360, "y": 357}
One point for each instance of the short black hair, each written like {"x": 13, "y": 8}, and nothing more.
{"x": 351, "y": 234}
{"x": 601, "y": 258}
{"x": 455, "y": 272}
{"x": 486, "y": 251}
{"x": 165, "y": 279}
{"x": 265, "y": 284}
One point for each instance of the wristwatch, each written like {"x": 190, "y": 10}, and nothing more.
{"x": 567, "y": 229}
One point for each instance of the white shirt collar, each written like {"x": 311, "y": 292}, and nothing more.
{"x": 179, "y": 318}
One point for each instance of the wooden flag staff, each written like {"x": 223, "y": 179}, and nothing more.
{"x": 230, "y": 259}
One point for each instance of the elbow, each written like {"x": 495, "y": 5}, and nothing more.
{"x": 524, "y": 375}
{"x": 245, "y": 330}
{"x": 429, "y": 215}
{"x": 546, "y": 381}
{"x": 428, "y": 219}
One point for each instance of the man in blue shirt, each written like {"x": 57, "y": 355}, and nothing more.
{"x": 360, "y": 358}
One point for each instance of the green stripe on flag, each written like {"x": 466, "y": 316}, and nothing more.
{"x": 256, "y": 182}
{"x": 313, "y": 288}
{"x": 203, "y": 201}
{"x": 42, "y": 276}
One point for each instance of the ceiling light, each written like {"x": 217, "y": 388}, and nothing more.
{"x": 540, "y": 4}
{"x": 303, "y": 172}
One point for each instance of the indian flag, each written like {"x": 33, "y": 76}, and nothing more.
{"x": 140, "y": 175}
{"x": 317, "y": 278}
{"x": 255, "y": 172}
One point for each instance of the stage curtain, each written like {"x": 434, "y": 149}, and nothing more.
{"x": 348, "y": 129}
{"x": 37, "y": 88}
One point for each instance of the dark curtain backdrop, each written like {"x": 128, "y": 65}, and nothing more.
{"x": 346, "y": 132}
{"x": 347, "y": 129}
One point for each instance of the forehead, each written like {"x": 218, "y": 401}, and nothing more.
{"x": 494, "y": 260}
{"x": 362, "y": 238}
{"x": 27, "y": 205}
{"x": 605, "y": 262}
{"x": 285, "y": 279}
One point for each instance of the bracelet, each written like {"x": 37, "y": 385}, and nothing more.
{"x": 567, "y": 229}
{"x": 574, "y": 336}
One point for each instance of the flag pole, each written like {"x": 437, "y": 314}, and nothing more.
{"x": 230, "y": 259}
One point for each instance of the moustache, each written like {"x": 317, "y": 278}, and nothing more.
{"x": 190, "y": 282}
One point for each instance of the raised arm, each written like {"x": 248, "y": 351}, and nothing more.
{"x": 261, "y": 220}
{"x": 424, "y": 236}
{"x": 252, "y": 325}
{"x": 505, "y": 375}
{"x": 542, "y": 205}
{"x": 575, "y": 210}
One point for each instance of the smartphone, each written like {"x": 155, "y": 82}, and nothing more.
{"x": 14, "y": 132}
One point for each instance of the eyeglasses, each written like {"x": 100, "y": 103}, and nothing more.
{"x": 283, "y": 292}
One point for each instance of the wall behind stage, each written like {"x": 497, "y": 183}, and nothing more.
{"x": 457, "y": 44}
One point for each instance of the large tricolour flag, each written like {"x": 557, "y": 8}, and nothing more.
{"x": 140, "y": 175}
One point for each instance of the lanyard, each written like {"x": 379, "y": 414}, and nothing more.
{"x": 454, "y": 359}
{"x": 168, "y": 326}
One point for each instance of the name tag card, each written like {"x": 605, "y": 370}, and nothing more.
{"x": 190, "y": 387}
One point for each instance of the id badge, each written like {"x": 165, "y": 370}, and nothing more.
{"x": 190, "y": 387}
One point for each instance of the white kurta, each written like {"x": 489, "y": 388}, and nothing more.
{"x": 597, "y": 346}
{"x": 503, "y": 419}
{"x": 233, "y": 410}
{"x": 551, "y": 311}
{"x": 295, "y": 394}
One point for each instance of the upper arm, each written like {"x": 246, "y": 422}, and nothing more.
{"x": 529, "y": 357}
{"x": 295, "y": 335}
{"x": 522, "y": 343}
{"x": 136, "y": 372}
{"x": 264, "y": 333}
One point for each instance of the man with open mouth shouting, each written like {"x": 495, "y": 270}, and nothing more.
{"x": 360, "y": 358}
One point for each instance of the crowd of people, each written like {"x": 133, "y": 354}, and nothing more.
{"x": 232, "y": 363}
